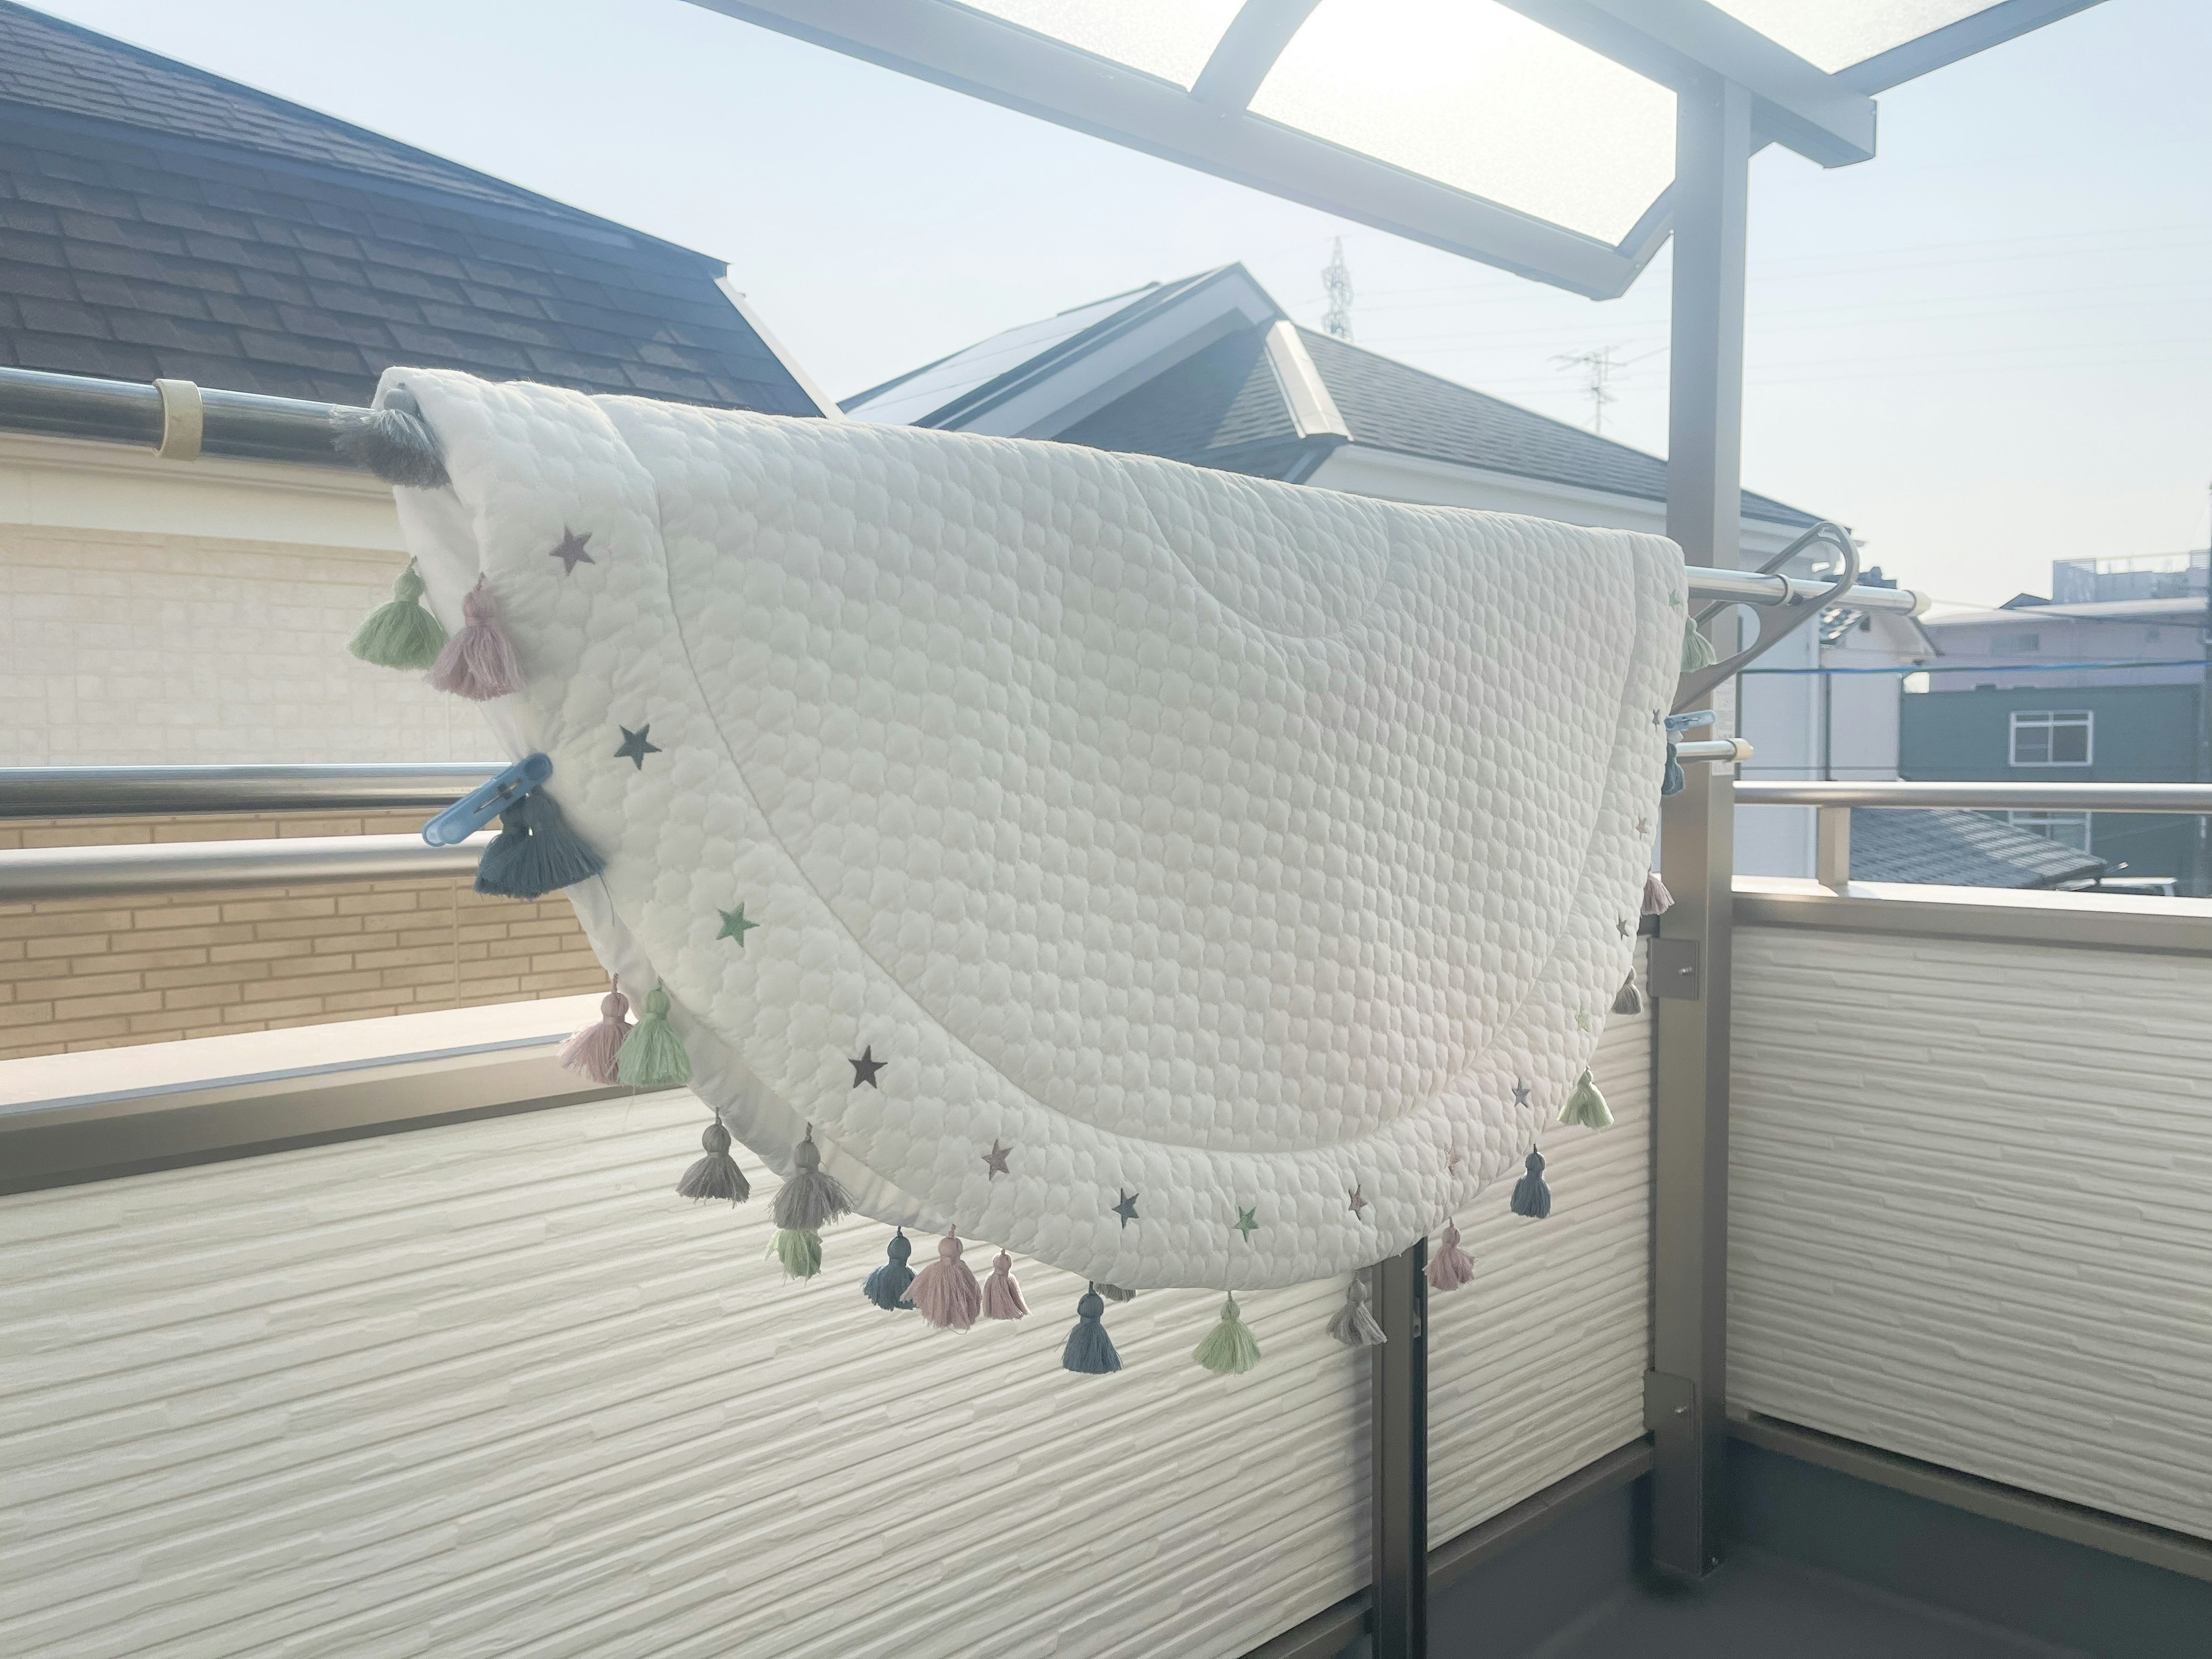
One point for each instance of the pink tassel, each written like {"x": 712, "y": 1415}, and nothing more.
{"x": 1002, "y": 1298}
{"x": 945, "y": 1290}
{"x": 592, "y": 1050}
{"x": 1657, "y": 901}
{"x": 479, "y": 662}
{"x": 1449, "y": 1268}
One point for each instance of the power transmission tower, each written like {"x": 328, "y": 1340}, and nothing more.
{"x": 1336, "y": 283}
{"x": 1598, "y": 366}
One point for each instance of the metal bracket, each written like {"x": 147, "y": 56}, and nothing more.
{"x": 1775, "y": 622}
{"x": 1678, "y": 969}
{"x": 1670, "y": 1403}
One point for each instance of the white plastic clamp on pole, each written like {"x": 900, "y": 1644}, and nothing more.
{"x": 184, "y": 419}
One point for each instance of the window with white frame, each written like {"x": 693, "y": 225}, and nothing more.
{"x": 2043, "y": 737}
{"x": 2067, "y": 829}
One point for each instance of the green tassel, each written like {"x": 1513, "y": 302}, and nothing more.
{"x": 1586, "y": 1107}
{"x": 1697, "y": 650}
{"x": 799, "y": 1251}
{"x": 653, "y": 1056}
{"x": 401, "y": 634}
{"x": 1229, "y": 1348}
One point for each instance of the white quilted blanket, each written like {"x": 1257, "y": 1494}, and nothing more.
{"x": 1218, "y": 882}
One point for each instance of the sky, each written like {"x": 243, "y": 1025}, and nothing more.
{"x": 1986, "y": 348}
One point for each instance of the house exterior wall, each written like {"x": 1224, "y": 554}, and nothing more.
{"x": 2142, "y": 734}
{"x": 157, "y": 612}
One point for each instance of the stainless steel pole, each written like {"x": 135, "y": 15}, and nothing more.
{"x": 1685, "y": 1390}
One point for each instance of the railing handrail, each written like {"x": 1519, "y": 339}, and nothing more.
{"x": 2179, "y": 797}
{"x": 85, "y": 791}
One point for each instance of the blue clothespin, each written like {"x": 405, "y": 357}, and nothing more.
{"x": 1684, "y": 722}
{"x": 1673, "y": 783}
{"x": 481, "y": 805}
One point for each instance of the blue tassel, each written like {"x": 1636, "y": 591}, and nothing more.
{"x": 887, "y": 1286}
{"x": 535, "y": 852}
{"x": 1672, "y": 782}
{"x": 1090, "y": 1350}
{"x": 1531, "y": 1197}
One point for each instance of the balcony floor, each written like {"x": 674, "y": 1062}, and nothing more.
{"x": 1758, "y": 1605}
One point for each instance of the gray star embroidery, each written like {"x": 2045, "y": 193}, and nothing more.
{"x": 1620, "y": 925}
{"x": 634, "y": 746}
{"x": 1126, "y": 1209}
{"x": 1520, "y": 1092}
{"x": 1359, "y": 1201}
{"x": 571, "y": 552}
{"x": 865, "y": 1067}
{"x": 995, "y": 1159}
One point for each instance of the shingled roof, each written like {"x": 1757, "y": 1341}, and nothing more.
{"x": 159, "y": 220}
{"x": 1953, "y": 848}
{"x": 1223, "y": 406}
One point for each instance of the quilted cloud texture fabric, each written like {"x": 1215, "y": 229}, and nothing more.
{"x": 1181, "y": 878}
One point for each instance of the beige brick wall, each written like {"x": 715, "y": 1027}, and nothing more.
{"x": 100, "y": 973}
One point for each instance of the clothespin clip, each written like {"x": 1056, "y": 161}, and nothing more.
{"x": 1676, "y": 723}
{"x": 482, "y": 805}
{"x": 1673, "y": 783}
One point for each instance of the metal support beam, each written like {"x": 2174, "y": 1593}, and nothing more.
{"x": 1400, "y": 1448}
{"x": 1685, "y": 1394}
{"x": 1684, "y": 44}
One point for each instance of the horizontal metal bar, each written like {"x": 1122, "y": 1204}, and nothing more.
{"x": 2183, "y": 798}
{"x": 1749, "y": 587}
{"x": 241, "y": 424}
{"x": 61, "y": 872}
{"x": 99, "y": 792}
{"x": 2174, "y": 1552}
{"x": 1713, "y": 749}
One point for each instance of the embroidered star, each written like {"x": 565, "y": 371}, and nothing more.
{"x": 571, "y": 552}
{"x": 995, "y": 1159}
{"x": 1643, "y": 826}
{"x": 1453, "y": 1161}
{"x": 1247, "y": 1225}
{"x": 1359, "y": 1201}
{"x": 1620, "y": 925}
{"x": 1520, "y": 1092}
{"x": 1126, "y": 1209}
{"x": 634, "y": 746}
{"x": 1675, "y": 600}
{"x": 1582, "y": 1022}
{"x": 865, "y": 1067}
{"x": 734, "y": 926}
{"x": 1658, "y": 719}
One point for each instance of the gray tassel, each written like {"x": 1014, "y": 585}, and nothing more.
{"x": 1531, "y": 1197}
{"x": 392, "y": 441}
{"x": 810, "y": 1200}
{"x": 1089, "y": 1351}
{"x": 1628, "y": 1002}
{"x": 887, "y": 1286}
{"x": 716, "y": 1175}
{"x": 1352, "y": 1324}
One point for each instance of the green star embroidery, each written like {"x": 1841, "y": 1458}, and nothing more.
{"x": 1582, "y": 1022}
{"x": 734, "y": 926}
{"x": 1247, "y": 1225}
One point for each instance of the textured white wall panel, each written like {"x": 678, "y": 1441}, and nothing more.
{"x": 1972, "y": 1209}
{"x": 1536, "y": 1368}
{"x": 492, "y": 1388}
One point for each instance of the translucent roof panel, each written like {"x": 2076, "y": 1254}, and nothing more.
{"x": 1834, "y": 34}
{"x": 1171, "y": 38}
{"x": 1478, "y": 97}
{"x": 912, "y": 397}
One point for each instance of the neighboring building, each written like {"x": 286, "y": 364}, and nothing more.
{"x": 2045, "y": 690}
{"x": 1210, "y": 370}
{"x": 157, "y": 220}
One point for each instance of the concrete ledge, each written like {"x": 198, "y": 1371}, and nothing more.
{"x": 71, "y": 1118}
{"x": 2096, "y": 921}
